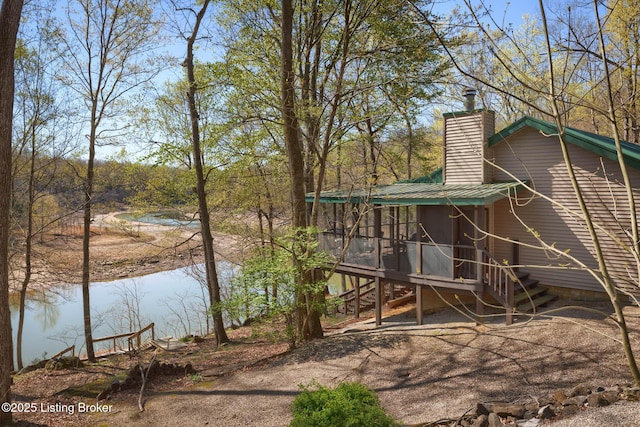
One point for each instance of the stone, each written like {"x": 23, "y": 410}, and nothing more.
{"x": 631, "y": 393}
{"x": 546, "y": 412}
{"x": 103, "y": 394}
{"x": 596, "y": 400}
{"x": 481, "y": 421}
{"x": 559, "y": 396}
{"x": 569, "y": 410}
{"x": 576, "y": 400}
{"x": 494, "y": 420}
{"x": 533, "y": 422}
{"x": 481, "y": 409}
{"x": 531, "y": 406}
{"x": 611, "y": 396}
{"x": 188, "y": 369}
{"x": 579, "y": 390}
{"x": 508, "y": 410}
{"x": 63, "y": 363}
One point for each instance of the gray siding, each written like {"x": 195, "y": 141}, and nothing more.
{"x": 528, "y": 155}
{"x": 465, "y": 137}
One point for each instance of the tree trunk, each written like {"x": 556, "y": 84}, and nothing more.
{"x": 207, "y": 239}
{"x": 86, "y": 236}
{"x": 10, "y": 12}
{"x": 308, "y": 322}
{"x": 27, "y": 250}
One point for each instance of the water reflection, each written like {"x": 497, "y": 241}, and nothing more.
{"x": 174, "y": 300}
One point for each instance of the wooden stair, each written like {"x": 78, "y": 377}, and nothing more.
{"x": 402, "y": 295}
{"x": 529, "y": 296}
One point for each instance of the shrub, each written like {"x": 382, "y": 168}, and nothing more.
{"x": 349, "y": 404}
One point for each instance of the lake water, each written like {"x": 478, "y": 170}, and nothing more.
{"x": 173, "y": 300}
{"x": 169, "y": 218}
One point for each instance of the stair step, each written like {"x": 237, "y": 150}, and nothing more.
{"x": 527, "y": 283}
{"x": 538, "y": 302}
{"x": 530, "y": 293}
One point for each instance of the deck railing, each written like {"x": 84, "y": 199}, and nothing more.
{"x": 500, "y": 281}
{"x": 452, "y": 262}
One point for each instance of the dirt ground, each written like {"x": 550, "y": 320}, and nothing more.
{"x": 122, "y": 249}
{"x": 420, "y": 373}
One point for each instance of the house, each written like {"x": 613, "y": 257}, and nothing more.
{"x": 475, "y": 227}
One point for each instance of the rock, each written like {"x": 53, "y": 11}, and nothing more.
{"x": 596, "y": 400}
{"x": 631, "y": 393}
{"x": 508, "y": 410}
{"x": 546, "y": 412}
{"x": 188, "y": 369}
{"x": 569, "y": 410}
{"x": 103, "y": 394}
{"x": 533, "y": 422}
{"x": 559, "y": 396}
{"x": 576, "y": 400}
{"x": 579, "y": 390}
{"x": 63, "y": 363}
{"x": 481, "y": 421}
{"x": 481, "y": 410}
{"x": 38, "y": 365}
{"x": 611, "y": 396}
{"x": 494, "y": 420}
{"x": 532, "y": 406}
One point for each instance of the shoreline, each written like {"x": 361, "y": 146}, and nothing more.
{"x": 120, "y": 249}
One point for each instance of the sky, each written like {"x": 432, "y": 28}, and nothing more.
{"x": 509, "y": 11}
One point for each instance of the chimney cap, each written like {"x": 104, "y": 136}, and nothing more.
{"x": 469, "y": 91}
{"x": 470, "y": 94}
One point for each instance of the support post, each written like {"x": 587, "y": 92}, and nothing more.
{"x": 377, "y": 224}
{"x": 378, "y": 301}
{"x": 357, "y": 298}
{"x": 419, "y": 308}
{"x": 516, "y": 256}
{"x": 510, "y": 301}
{"x": 480, "y": 279}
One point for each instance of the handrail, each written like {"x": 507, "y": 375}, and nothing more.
{"x": 500, "y": 280}
{"x": 136, "y": 335}
{"x": 71, "y": 348}
{"x": 112, "y": 337}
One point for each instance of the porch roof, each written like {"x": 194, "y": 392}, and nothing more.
{"x": 423, "y": 194}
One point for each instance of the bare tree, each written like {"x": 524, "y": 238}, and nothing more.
{"x": 10, "y": 13}
{"x": 205, "y": 228}
{"x": 106, "y": 53}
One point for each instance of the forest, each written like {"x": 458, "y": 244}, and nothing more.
{"x": 247, "y": 107}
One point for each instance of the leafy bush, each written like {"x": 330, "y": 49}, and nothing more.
{"x": 349, "y": 404}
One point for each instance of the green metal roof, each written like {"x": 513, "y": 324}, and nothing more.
{"x": 600, "y": 145}
{"x": 434, "y": 177}
{"x": 423, "y": 194}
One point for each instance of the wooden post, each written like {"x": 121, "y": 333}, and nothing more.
{"x": 377, "y": 224}
{"x": 378, "y": 302}
{"x": 516, "y": 256}
{"x": 357, "y": 298}
{"x": 480, "y": 279}
{"x": 510, "y": 301}
{"x": 419, "y": 309}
